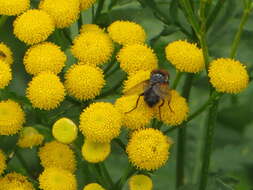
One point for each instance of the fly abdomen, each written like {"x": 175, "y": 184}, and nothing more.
{"x": 151, "y": 98}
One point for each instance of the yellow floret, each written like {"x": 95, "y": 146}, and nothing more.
{"x": 44, "y": 57}
{"x": 90, "y": 28}
{"x": 84, "y": 82}
{"x": 45, "y": 91}
{"x": 100, "y": 122}
{"x": 64, "y": 12}
{"x": 186, "y": 57}
{"x": 29, "y": 137}
{"x": 55, "y": 154}
{"x": 140, "y": 182}
{"x": 93, "y": 48}
{"x": 65, "y": 130}
{"x": 13, "y": 7}
{"x": 85, "y": 4}
{"x": 126, "y": 33}
{"x": 228, "y": 75}
{"x": 6, "y": 54}
{"x": 95, "y": 152}
{"x": 33, "y": 26}
{"x": 57, "y": 179}
{"x": 136, "y": 57}
{"x": 12, "y": 117}
{"x": 2, "y": 162}
{"x": 5, "y": 74}
{"x": 148, "y": 149}
{"x": 93, "y": 186}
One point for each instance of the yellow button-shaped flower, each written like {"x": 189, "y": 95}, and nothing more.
{"x": 6, "y": 54}
{"x": 85, "y": 4}
{"x": 93, "y": 186}
{"x": 140, "y": 182}
{"x": 65, "y": 130}
{"x": 13, "y": 7}
{"x": 5, "y": 74}
{"x": 2, "y": 162}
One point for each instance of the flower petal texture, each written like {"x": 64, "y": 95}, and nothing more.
{"x": 95, "y": 152}
{"x": 5, "y": 74}
{"x": 45, "y": 56}
{"x": 29, "y": 137}
{"x": 93, "y": 48}
{"x": 57, "y": 178}
{"x": 33, "y": 26}
{"x": 100, "y": 122}
{"x": 2, "y": 162}
{"x": 148, "y": 149}
{"x": 185, "y": 56}
{"x": 228, "y": 75}
{"x": 45, "y": 91}
{"x": 140, "y": 182}
{"x": 93, "y": 186}
{"x": 12, "y": 117}
{"x": 127, "y": 33}
{"x": 6, "y": 54}
{"x": 133, "y": 58}
{"x": 85, "y": 4}
{"x": 90, "y": 28}
{"x": 64, "y": 12}
{"x": 84, "y": 82}
{"x": 13, "y": 7}
{"x": 56, "y": 154}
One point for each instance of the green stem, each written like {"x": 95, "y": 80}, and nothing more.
{"x": 99, "y": 9}
{"x": 177, "y": 79}
{"x": 65, "y": 32}
{"x": 3, "y": 19}
{"x": 237, "y": 38}
{"x": 208, "y": 141}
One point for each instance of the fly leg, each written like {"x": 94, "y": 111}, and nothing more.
{"x": 136, "y": 105}
{"x": 169, "y": 104}
{"x": 159, "y": 108}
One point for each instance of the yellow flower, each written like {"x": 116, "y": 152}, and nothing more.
{"x": 5, "y": 74}
{"x": 137, "y": 118}
{"x": 64, "y": 12}
{"x": 12, "y": 117}
{"x": 90, "y": 28}
{"x": 6, "y": 54}
{"x": 100, "y": 122}
{"x": 85, "y": 4}
{"x": 140, "y": 182}
{"x": 126, "y": 33}
{"x": 133, "y": 58}
{"x": 45, "y": 91}
{"x": 186, "y": 57}
{"x": 55, "y": 154}
{"x": 93, "y": 186}
{"x": 174, "y": 113}
{"x": 95, "y": 152}
{"x": 15, "y": 181}
{"x": 84, "y": 82}
{"x": 2, "y": 162}
{"x": 93, "y": 48}
{"x": 228, "y": 75}
{"x": 148, "y": 149}
{"x": 33, "y": 26}
{"x": 45, "y": 56}
{"x": 65, "y": 130}
{"x": 13, "y": 7}
{"x": 57, "y": 178}
{"x": 29, "y": 137}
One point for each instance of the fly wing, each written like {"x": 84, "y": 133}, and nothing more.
{"x": 162, "y": 90}
{"x": 138, "y": 88}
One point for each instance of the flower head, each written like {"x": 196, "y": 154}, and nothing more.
{"x": 175, "y": 112}
{"x": 90, "y": 28}
{"x": 13, "y": 7}
{"x": 45, "y": 91}
{"x": 5, "y": 74}
{"x": 186, "y": 57}
{"x": 100, "y": 122}
{"x": 228, "y": 75}
{"x": 64, "y": 12}
{"x": 138, "y": 117}
{"x": 12, "y": 117}
{"x": 29, "y": 137}
{"x": 93, "y": 186}
{"x": 57, "y": 178}
{"x": 140, "y": 182}
{"x": 45, "y": 56}
{"x": 126, "y": 32}
{"x": 6, "y": 54}
{"x": 2, "y": 162}
{"x": 133, "y": 58}
{"x": 93, "y": 48}
{"x": 65, "y": 130}
{"x": 55, "y": 154}
{"x": 33, "y": 26}
{"x": 85, "y": 4}
{"x": 148, "y": 149}
{"x": 84, "y": 82}
{"x": 15, "y": 181}
{"x": 95, "y": 152}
